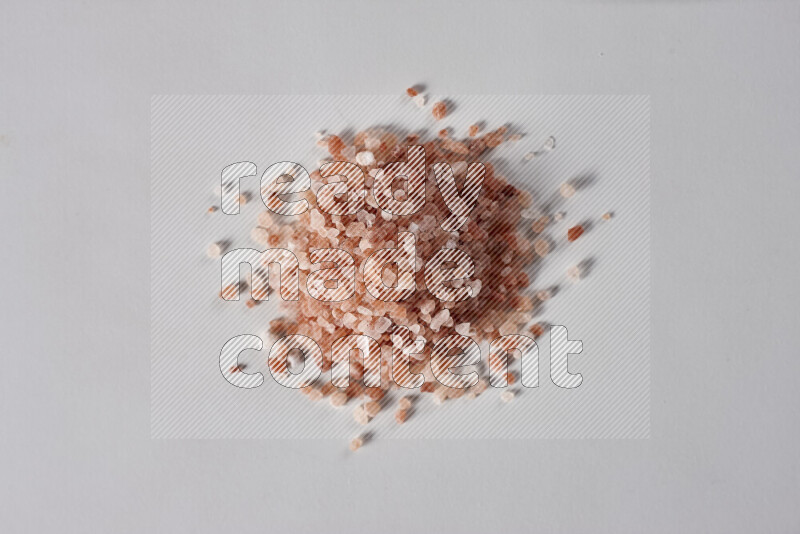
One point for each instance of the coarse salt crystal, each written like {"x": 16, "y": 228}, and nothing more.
{"x": 214, "y": 250}
{"x": 365, "y": 158}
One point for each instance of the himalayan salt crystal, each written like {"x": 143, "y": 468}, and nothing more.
{"x": 473, "y": 130}
{"x": 242, "y": 199}
{"x": 559, "y": 216}
{"x": 566, "y": 190}
{"x": 540, "y": 224}
{"x": 356, "y": 443}
{"x": 537, "y": 330}
{"x": 412, "y": 92}
{"x": 365, "y": 158}
{"x": 372, "y": 144}
{"x": 440, "y": 319}
{"x": 544, "y": 294}
{"x": 360, "y": 415}
{"x": 314, "y": 395}
{"x": 212, "y": 209}
{"x": 575, "y": 273}
{"x": 456, "y": 147}
{"x": 375, "y": 394}
{"x": 260, "y": 235}
{"x": 404, "y": 403}
{"x": 319, "y": 135}
{"x": 229, "y": 291}
{"x": 372, "y": 408}
{"x": 574, "y": 233}
{"x": 529, "y": 156}
{"x": 316, "y": 220}
{"x": 494, "y": 139}
{"x": 507, "y": 396}
{"x": 549, "y": 144}
{"x": 354, "y": 389}
{"x": 338, "y": 399}
{"x": 419, "y": 100}
{"x": 507, "y": 328}
{"x": 251, "y": 303}
{"x": 382, "y": 324}
{"x": 440, "y": 394}
{"x": 349, "y": 320}
{"x": 335, "y": 145}
{"x": 510, "y": 378}
{"x": 462, "y": 329}
{"x": 427, "y": 306}
{"x": 607, "y": 216}
{"x": 442, "y": 133}
{"x": 215, "y": 250}
{"x": 455, "y": 393}
{"x": 541, "y": 247}
{"x": 525, "y": 304}
{"x": 364, "y": 311}
{"x": 265, "y": 219}
{"x": 427, "y": 387}
{"x": 515, "y": 137}
{"x": 439, "y": 110}
{"x": 400, "y": 416}
{"x": 282, "y": 326}
{"x": 327, "y": 389}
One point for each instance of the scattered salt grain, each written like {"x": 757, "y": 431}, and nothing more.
{"x": 575, "y": 232}
{"x": 541, "y": 246}
{"x": 215, "y": 250}
{"x": 507, "y": 396}
{"x": 356, "y": 443}
{"x": 566, "y": 190}
{"x": 338, "y": 399}
{"x": 575, "y": 273}
{"x": 360, "y": 415}
{"x": 439, "y": 110}
{"x": 372, "y": 408}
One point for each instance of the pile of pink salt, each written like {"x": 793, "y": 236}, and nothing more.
{"x": 501, "y": 247}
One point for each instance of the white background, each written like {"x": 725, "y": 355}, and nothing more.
{"x": 602, "y": 140}
{"x": 76, "y": 80}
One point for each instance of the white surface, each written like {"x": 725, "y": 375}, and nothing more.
{"x": 602, "y": 140}
{"x": 76, "y": 80}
